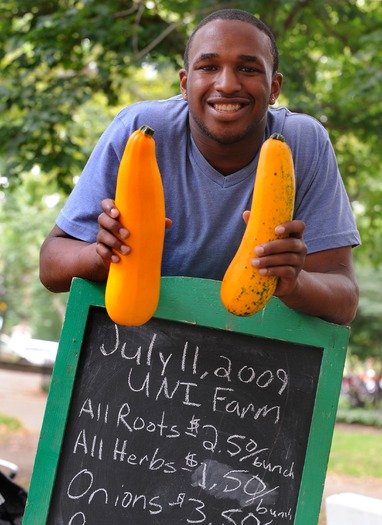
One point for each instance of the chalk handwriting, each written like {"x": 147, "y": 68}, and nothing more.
{"x": 190, "y": 435}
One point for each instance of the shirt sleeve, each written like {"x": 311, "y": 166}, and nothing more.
{"x": 321, "y": 198}
{"x": 79, "y": 215}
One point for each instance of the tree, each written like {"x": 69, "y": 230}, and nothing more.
{"x": 366, "y": 337}
{"x": 25, "y": 218}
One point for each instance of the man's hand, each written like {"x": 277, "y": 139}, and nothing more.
{"x": 322, "y": 284}
{"x": 284, "y": 257}
{"x": 111, "y": 235}
{"x": 112, "y": 238}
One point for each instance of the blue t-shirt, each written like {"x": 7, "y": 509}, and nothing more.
{"x": 205, "y": 206}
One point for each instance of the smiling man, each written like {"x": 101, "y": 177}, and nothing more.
{"x": 207, "y": 142}
{"x": 230, "y": 71}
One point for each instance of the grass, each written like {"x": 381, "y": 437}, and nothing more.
{"x": 356, "y": 453}
{"x": 9, "y": 424}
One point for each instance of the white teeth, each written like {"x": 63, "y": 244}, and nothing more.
{"x": 227, "y": 107}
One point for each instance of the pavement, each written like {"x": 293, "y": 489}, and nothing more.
{"x": 22, "y": 397}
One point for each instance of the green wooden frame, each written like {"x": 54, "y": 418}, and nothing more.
{"x": 196, "y": 301}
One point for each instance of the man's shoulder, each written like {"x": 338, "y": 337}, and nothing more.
{"x": 295, "y": 126}
{"x": 155, "y": 113}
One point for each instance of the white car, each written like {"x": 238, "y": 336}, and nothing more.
{"x": 34, "y": 351}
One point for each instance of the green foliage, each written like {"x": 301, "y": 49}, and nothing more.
{"x": 55, "y": 57}
{"x": 366, "y": 330}
{"x": 25, "y": 219}
{"x": 360, "y": 416}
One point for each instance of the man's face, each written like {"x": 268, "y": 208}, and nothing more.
{"x": 229, "y": 81}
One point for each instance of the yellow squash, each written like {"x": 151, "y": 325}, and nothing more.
{"x": 244, "y": 291}
{"x": 133, "y": 284}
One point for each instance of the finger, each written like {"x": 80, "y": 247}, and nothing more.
{"x": 294, "y": 228}
{"x": 111, "y": 242}
{"x": 108, "y": 206}
{"x": 108, "y": 223}
{"x": 274, "y": 264}
{"x": 284, "y": 273}
{"x": 107, "y": 255}
{"x": 168, "y": 223}
{"x": 246, "y": 215}
{"x": 281, "y": 246}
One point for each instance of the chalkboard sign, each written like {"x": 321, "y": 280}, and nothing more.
{"x": 195, "y": 417}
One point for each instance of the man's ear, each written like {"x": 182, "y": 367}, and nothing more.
{"x": 183, "y": 82}
{"x": 277, "y": 83}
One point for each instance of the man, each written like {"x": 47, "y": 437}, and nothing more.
{"x": 207, "y": 142}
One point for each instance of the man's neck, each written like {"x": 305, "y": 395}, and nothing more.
{"x": 228, "y": 158}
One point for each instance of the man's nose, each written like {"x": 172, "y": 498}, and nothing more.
{"x": 227, "y": 81}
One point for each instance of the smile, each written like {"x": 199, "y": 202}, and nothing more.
{"x": 228, "y": 108}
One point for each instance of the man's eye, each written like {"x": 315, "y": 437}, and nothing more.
{"x": 207, "y": 68}
{"x": 248, "y": 69}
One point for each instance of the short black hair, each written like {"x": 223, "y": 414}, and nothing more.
{"x": 242, "y": 16}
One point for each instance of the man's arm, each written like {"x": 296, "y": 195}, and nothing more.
{"x": 322, "y": 284}
{"x": 326, "y": 287}
{"x": 62, "y": 257}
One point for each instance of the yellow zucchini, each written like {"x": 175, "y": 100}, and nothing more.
{"x": 244, "y": 291}
{"x": 133, "y": 284}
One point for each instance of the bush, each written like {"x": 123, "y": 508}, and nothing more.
{"x": 360, "y": 416}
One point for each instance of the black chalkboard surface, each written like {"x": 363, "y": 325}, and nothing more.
{"x": 178, "y": 422}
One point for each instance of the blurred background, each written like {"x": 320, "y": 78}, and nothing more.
{"x": 68, "y": 66}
